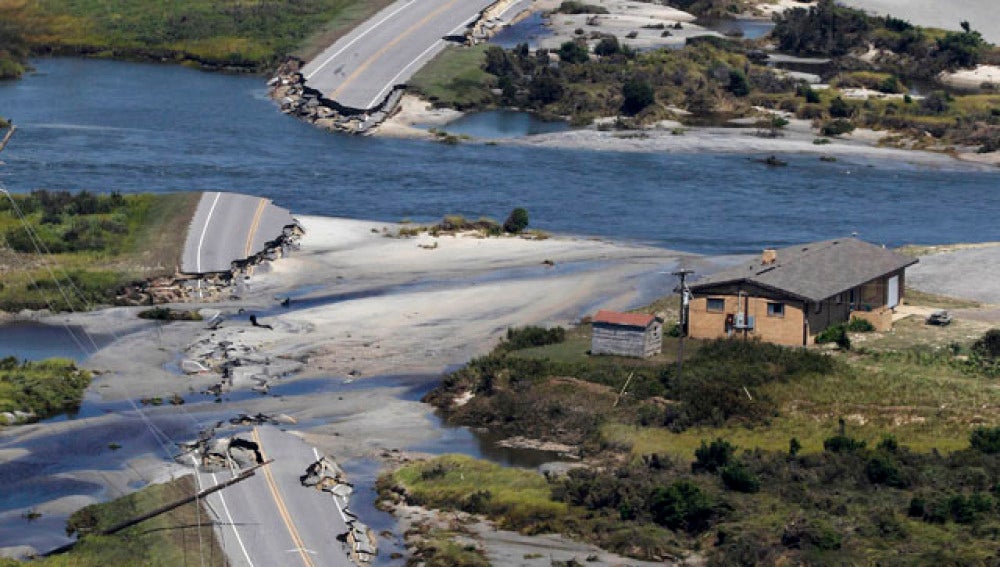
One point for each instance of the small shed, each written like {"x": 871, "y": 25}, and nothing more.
{"x": 626, "y": 334}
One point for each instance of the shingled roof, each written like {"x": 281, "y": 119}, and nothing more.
{"x": 627, "y": 319}
{"x": 815, "y": 271}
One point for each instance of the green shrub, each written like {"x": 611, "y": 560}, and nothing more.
{"x": 168, "y": 314}
{"x": 681, "y": 505}
{"x": 638, "y": 94}
{"x": 516, "y": 221}
{"x": 835, "y": 334}
{"x": 837, "y": 127}
{"x": 531, "y": 336}
{"x": 712, "y": 391}
{"x": 881, "y": 469}
{"x": 988, "y": 346}
{"x": 794, "y": 446}
{"x": 964, "y": 509}
{"x": 813, "y": 533}
{"x": 859, "y": 325}
{"x": 986, "y": 440}
{"x": 575, "y": 7}
{"x": 738, "y": 477}
{"x": 738, "y": 84}
{"x": 888, "y": 444}
{"x": 842, "y": 444}
{"x": 710, "y": 458}
{"x": 917, "y": 507}
{"x": 607, "y": 46}
{"x": 573, "y": 52}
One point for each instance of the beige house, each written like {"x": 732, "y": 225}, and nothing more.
{"x": 790, "y": 295}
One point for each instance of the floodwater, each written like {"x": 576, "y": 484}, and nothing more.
{"x": 36, "y": 341}
{"x": 493, "y": 124}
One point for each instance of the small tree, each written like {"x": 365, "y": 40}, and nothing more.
{"x": 573, "y": 52}
{"x": 738, "y": 84}
{"x": 794, "y": 446}
{"x": 517, "y": 221}
{"x": 710, "y": 458}
{"x": 988, "y": 346}
{"x": 985, "y": 439}
{"x": 638, "y": 95}
{"x": 739, "y": 478}
{"x": 840, "y": 109}
{"x": 607, "y": 46}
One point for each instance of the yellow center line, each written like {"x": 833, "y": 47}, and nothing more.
{"x": 282, "y": 510}
{"x": 253, "y": 228}
{"x": 389, "y": 46}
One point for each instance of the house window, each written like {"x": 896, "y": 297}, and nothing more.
{"x": 775, "y": 309}
{"x": 819, "y": 307}
{"x": 716, "y": 304}
{"x": 840, "y": 298}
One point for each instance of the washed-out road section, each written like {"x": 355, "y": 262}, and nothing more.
{"x": 228, "y": 227}
{"x": 270, "y": 518}
{"x": 360, "y": 69}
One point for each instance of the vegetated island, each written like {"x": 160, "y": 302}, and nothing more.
{"x": 30, "y": 391}
{"x": 595, "y": 78}
{"x": 756, "y": 454}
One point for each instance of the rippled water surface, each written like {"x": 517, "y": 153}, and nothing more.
{"x": 105, "y": 125}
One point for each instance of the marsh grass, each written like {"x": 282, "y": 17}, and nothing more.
{"x": 138, "y": 238}
{"x": 45, "y": 388}
{"x": 249, "y": 35}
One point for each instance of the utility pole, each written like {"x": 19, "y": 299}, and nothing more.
{"x": 683, "y": 273}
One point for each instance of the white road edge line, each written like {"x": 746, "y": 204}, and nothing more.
{"x": 359, "y": 36}
{"x": 204, "y": 230}
{"x": 335, "y": 501}
{"x": 229, "y": 517}
{"x": 392, "y": 82}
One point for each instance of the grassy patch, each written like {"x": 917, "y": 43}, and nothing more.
{"x": 250, "y": 35}
{"x": 181, "y": 537}
{"x": 455, "y": 78}
{"x": 44, "y": 388}
{"x": 97, "y": 243}
{"x": 516, "y": 498}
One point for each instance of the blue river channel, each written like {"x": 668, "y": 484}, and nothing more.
{"x": 102, "y": 126}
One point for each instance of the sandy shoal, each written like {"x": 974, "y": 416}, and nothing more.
{"x": 387, "y": 305}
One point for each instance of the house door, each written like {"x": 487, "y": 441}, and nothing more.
{"x": 893, "y": 292}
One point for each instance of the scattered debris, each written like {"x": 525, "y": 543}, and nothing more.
{"x": 940, "y": 317}
{"x": 202, "y": 288}
{"x": 325, "y": 475}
